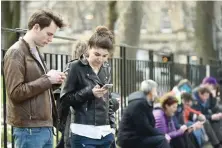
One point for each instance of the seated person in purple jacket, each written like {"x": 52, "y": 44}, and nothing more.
{"x": 164, "y": 122}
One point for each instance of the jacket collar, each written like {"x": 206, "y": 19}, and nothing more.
{"x": 32, "y": 55}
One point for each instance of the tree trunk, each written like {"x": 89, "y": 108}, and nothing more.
{"x": 204, "y": 40}
{"x": 112, "y": 15}
{"x": 129, "y": 34}
{"x": 132, "y": 20}
{"x": 10, "y": 19}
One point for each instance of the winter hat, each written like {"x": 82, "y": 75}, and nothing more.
{"x": 209, "y": 80}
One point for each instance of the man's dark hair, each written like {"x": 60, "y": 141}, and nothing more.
{"x": 203, "y": 90}
{"x": 186, "y": 97}
{"x": 44, "y": 19}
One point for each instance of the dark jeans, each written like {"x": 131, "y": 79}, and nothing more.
{"x": 41, "y": 137}
{"x": 214, "y": 131}
{"x": 185, "y": 141}
{"x": 85, "y": 142}
{"x": 155, "y": 142}
{"x": 148, "y": 142}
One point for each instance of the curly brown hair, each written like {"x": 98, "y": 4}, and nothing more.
{"x": 169, "y": 100}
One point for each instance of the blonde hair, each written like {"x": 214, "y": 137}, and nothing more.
{"x": 80, "y": 48}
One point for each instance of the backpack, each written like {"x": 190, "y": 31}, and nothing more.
{"x": 63, "y": 110}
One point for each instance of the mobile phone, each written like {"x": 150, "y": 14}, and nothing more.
{"x": 107, "y": 86}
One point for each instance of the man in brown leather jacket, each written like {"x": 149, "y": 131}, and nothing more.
{"x": 31, "y": 106}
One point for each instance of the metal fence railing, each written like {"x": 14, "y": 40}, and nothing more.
{"x": 127, "y": 74}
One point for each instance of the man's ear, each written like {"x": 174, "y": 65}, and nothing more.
{"x": 36, "y": 27}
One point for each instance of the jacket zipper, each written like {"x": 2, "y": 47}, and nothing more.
{"x": 95, "y": 112}
{"x": 30, "y": 103}
{"x": 44, "y": 71}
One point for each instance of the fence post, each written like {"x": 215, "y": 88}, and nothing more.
{"x": 4, "y": 108}
{"x": 123, "y": 76}
{"x": 12, "y": 129}
{"x": 172, "y": 73}
{"x": 201, "y": 61}
{"x": 151, "y": 64}
{"x": 188, "y": 67}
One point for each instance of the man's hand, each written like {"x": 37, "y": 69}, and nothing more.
{"x": 183, "y": 128}
{"x": 167, "y": 138}
{"x": 56, "y": 77}
{"x": 197, "y": 125}
{"x": 213, "y": 92}
{"x": 99, "y": 92}
{"x": 216, "y": 116}
{"x": 220, "y": 115}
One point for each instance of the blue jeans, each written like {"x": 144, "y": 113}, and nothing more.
{"x": 197, "y": 133}
{"x": 85, "y": 142}
{"x": 38, "y": 137}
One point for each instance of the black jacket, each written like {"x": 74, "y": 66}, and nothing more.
{"x": 137, "y": 122}
{"x": 77, "y": 92}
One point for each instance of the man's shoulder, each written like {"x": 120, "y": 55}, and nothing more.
{"x": 15, "y": 51}
{"x": 138, "y": 105}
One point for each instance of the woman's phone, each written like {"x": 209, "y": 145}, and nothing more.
{"x": 107, "y": 86}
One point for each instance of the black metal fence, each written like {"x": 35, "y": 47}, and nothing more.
{"x": 127, "y": 74}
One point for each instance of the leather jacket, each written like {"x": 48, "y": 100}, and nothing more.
{"x": 77, "y": 92}
{"x": 30, "y": 101}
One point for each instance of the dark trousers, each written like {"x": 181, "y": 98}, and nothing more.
{"x": 85, "y": 142}
{"x": 155, "y": 142}
{"x": 148, "y": 142}
{"x": 185, "y": 141}
{"x": 217, "y": 127}
{"x": 214, "y": 131}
